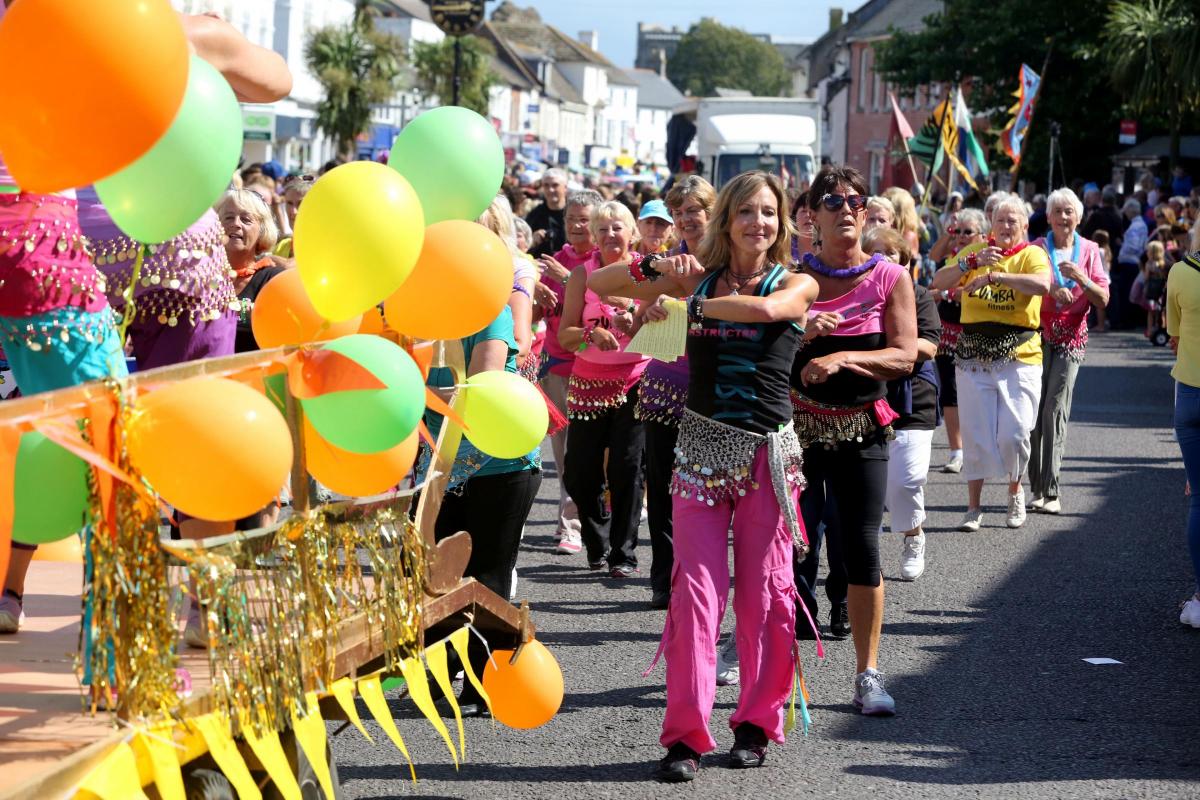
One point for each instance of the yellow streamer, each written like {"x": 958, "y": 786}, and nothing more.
{"x": 439, "y": 667}
{"x": 117, "y": 776}
{"x": 310, "y": 733}
{"x": 164, "y": 759}
{"x": 343, "y": 691}
{"x": 459, "y": 639}
{"x": 418, "y": 690}
{"x": 372, "y": 693}
{"x": 215, "y": 731}
{"x": 270, "y": 754}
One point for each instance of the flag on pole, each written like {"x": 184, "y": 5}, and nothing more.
{"x": 1013, "y": 137}
{"x": 970, "y": 154}
{"x": 897, "y": 148}
{"x": 950, "y": 143}
{"x": 925, "y": 145}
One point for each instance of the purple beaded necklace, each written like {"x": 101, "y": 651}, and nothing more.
{"x": 817, "y": 266}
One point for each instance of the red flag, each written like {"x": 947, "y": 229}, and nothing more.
{"x": 899, "y": 132}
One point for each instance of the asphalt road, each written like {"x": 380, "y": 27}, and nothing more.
{"x": 984, "y": 653}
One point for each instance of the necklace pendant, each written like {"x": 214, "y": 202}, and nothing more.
{"x": 733, "y": 292}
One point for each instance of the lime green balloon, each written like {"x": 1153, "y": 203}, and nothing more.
{"x": 453, "y": 159}
{"x": 50, "y": 491}
{"x": 169, "y": 188}
{"x": 370, "y": 420}
{"x": 505, "y": 414}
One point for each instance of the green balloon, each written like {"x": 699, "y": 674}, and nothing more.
{"x": 169, "y": 188}
{"x": 50, "y": 491}
{"x": 276, "y": 388}
{"x": 453, "y": 159}
{"x": 371, "y": 420}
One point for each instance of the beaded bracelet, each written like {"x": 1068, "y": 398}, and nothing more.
{"x": 695, "y": 309}
{"x": 588, "y": 338}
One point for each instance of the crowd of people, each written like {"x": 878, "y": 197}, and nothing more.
{"x": 830, "y": 333}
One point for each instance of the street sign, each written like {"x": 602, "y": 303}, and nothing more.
{"x": 456, "y": 17}
{"x": 533, "y": 108}
{"x": 1128, "y": 133}
{"x": 258, "y": 125}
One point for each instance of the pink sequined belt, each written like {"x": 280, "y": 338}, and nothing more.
{"x": 829, "y": 425}
{"x": 592, "y": 397}
{"x": 44, "y": 261}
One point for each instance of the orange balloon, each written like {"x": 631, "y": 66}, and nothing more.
{"x": 211, "y": 447}
{"x": 105, "y": 81}
{"x": 527, "y": 694}
{"x": 461, "y": 282}
{"x": 372, "y": 322}
{"x": 355, "y": 474}
{"x": 67, "y": 551}
{"x": 283, "y": 314}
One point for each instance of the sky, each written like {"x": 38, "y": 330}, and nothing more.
{"x": 616, "y": 21}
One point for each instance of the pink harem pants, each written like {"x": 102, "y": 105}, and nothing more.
{"x": 764, "y": 600}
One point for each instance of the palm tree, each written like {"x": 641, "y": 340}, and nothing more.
{"x": 1153, "y": 53}
{"x": 357, "y": 66}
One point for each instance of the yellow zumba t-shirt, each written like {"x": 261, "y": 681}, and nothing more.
{"x": 1003, "y": 304}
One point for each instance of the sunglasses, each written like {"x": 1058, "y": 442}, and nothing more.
{"x": 299, "y": 179}
{"x": 834, "y": 202}
{"x": 961, "y": 232}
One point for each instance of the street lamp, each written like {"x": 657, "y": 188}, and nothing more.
{"x": 457, "y": 18}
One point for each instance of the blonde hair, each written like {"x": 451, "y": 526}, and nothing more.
{"x": 1156, "y": 255}
{"x": 875, "y": 201}
{"x": 905, "y": 219}
{"x": 248, "y": 200}
{"x": 716, "y": 249}
{"x": 879, "y": 239}
{"x": 499, "y": 219}
{"x": 611, "y": 209}
{"x": 695, "y": 187}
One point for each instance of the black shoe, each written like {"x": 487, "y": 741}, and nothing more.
{"x": 680, "y": 764}
{"x": 804, "y": 631}
{"x": 660, "y": 600}
{"x": 749, "y": 746}
{"x": 472, "y": 710}
{"x": 598, "y": 563}
{"x": 839, "y": 621}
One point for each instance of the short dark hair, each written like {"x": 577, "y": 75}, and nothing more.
{"x": 828, "y": 178}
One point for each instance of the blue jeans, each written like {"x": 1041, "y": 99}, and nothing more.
{"x": 1187, "y": 432}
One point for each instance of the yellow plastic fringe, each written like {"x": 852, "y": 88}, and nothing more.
{"x": 372, "y": 693}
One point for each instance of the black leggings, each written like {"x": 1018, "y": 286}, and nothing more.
{"x": 948, "y": 391}
{"x": 493, "y": 510}
{"x": 660, "y": 465}
{"x": 612, "y": 537}
{"x": 854, "y": 476}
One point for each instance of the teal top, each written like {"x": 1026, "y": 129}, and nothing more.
{"x": 470, "y": 462}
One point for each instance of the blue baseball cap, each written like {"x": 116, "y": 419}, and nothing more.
{"x": 656, "y": 208}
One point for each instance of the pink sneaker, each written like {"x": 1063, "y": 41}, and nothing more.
{"x": 12, "y": 612}
{"x": 570, "y": 543}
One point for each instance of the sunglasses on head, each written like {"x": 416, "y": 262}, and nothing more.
{"x": 834, "y": 202}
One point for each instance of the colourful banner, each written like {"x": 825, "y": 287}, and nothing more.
{"x": 1013, "y": 137}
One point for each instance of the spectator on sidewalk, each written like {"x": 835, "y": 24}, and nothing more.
{"x": 1121, "y": 313}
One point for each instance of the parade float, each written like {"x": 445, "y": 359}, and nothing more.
{"x": 339, "y": 600}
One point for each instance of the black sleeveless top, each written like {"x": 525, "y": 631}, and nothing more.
{"x": 844, "y": 388}
{"x": 739, "y": 372}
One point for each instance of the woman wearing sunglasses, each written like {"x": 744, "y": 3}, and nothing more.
{"x": 998, "y": 358}
{"x": 862, "y": 333}
{"x": 739, "y": 463}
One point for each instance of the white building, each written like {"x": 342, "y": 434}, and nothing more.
{"x": 657, "y": 98}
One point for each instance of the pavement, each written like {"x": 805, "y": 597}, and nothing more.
{"x": 984, "y": 653}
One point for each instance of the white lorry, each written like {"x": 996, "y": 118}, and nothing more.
{"x": 736, "y": 134}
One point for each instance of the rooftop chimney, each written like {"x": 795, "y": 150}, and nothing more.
{"x": 835, "y": 18}
{"x": 591, "y": 39}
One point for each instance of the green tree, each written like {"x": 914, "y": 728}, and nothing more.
{"x": 711, "y": 55}
{"x": 985, "y": 42}
{"x": 1153, "y": 52}
{"x": 435, "y": 71}
{"x": 357, "y": 66}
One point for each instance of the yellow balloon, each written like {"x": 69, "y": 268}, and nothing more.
{"x": 357, "y": 238}
{"x": 505, "y": 414}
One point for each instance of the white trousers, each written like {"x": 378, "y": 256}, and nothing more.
{"x": 908, "y": 469}
{"x": 997, "y": 411}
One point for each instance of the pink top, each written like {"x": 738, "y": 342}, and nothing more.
{"x": 862, "y": 307}
{"x": 561, "y": 358}
{"x": 1067, "y": 325}
{"x": 592, "y": 362}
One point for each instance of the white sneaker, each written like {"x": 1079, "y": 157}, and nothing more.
{"x": 971, "y": 520}
{"x": 728, "y": 671}
{"x": 1052, "y": 506}
{"x": 1016, "y": 509}
{"x": 1038, "y": 502}
{"x": 954, "y": 465}
{"x": 1190, "y": 615}
{"x": 645, "y": 516}
{"x": 570, "y": 543}
{"x": 912, "y": 557}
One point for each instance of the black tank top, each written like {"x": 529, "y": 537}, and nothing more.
{"x": 739, "y": 372}
{"x": 844, "y": 388}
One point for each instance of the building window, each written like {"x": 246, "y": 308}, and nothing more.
{"x": 863, "y": 74}
{"x": 875, "y": 171}
{"x": 919, "y": 98}
{"x": 935, "y": 94}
